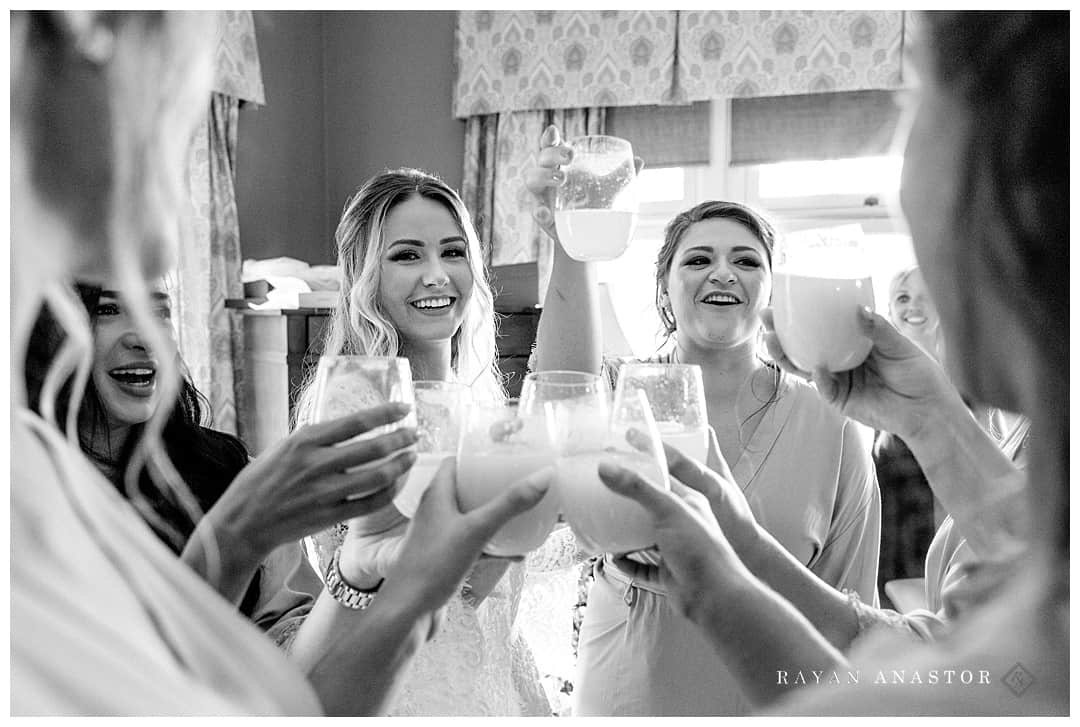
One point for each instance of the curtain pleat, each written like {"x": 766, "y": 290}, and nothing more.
{"x": 499, "y": 149}
{"x": 210, "y": 338}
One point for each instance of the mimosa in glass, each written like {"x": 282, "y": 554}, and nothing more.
{"x": 499, "y": 446}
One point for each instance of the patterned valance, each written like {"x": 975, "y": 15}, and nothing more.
{"x": 518, "y": 60}
{"x": 775, "y": 53}
{"x": 238, "y": 73}
{"x": 554, "y": 59}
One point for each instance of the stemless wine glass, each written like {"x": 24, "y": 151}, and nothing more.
{"x": 820, "y": 280}
{"x": 345, "y": 384}
{"x": 499, "y": 445}
{"x": 596, "y": 207}
{"x": 579, "y": 404}
{"x": 604, "y": 521}
{"x": 440, "y": 409}
{"x": 677, "y": 398}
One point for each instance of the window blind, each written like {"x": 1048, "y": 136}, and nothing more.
{"x": 816, "y": 126}
{"x": 664, "y": 136}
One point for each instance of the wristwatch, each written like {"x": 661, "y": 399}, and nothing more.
{"x": 342, "y": 592}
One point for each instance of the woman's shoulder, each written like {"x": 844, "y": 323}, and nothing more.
{"x": 815, "y": 414}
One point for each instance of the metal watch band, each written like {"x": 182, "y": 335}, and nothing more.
{"x": 342, "y": 592}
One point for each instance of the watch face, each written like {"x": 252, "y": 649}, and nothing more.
{"x": 342, "y": 592}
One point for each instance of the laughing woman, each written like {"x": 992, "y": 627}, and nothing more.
{"x": 805, "y": 470}
{"x": 413, "y": 285}
{"x": 239, "y": 501}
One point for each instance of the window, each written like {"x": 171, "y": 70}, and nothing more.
{"x": 795, "y": 195}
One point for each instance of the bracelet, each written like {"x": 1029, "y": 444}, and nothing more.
{"x": 342, "y": 592}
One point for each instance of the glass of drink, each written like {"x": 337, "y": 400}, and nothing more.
{"x": 347, "y": 384}
{"x": 677, "y": 398}
{"x": 440, "y": 408}
{"x": 344, "y": 385}
{"x": 820, "y": 280}
{"x": 603, "y": 521}
{"x": 579, "y": 404}
{"x": 499, "y": 445}
{"x": 596, "y": 207}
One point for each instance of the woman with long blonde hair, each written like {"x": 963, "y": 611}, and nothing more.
{"x": 363, "y": 321}
{"x": 413, "y": 285}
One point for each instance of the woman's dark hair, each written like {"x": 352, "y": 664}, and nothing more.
{"x": 760, "y": 227}
{"x": 1009, "y": 73}
{"x": 206, "y": 459}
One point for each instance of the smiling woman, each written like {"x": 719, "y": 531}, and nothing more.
{"x": 413, "y": 285}
{"x": 426, "y": 282}
{"x": 713, "y": 278}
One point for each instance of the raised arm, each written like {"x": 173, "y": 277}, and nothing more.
{"x": 569, "y": 334}
{"x": 298, "y": 487}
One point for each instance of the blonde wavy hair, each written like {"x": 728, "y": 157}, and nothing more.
{"x": 360, "y": 326}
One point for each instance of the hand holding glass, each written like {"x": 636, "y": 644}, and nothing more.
{"x": 820, "y": 280}
{"x": 441, "y": 407}
{"x": 603, "y": 521}
{"x": 676, "y": 396}
{"x": 345, "y": 385}
{"x": 596, "y": 206}
{"x": 500, "y": 445}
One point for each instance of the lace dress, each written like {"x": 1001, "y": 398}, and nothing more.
{"x": 477, "y": 664}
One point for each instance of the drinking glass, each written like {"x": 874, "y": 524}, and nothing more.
{"x": 440, "y": 409}
{"x": 499, "y": 445}
{"x": 820, "y": 279}
{"x": 345, "y": 384}
{"x": 677, "y": 398}
{"x": 596, "y": 207}
{"x": 604, "y": 521}
{"x": 579, "y": 403}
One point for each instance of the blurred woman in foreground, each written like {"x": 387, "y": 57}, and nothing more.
{"x": 104, "y": 618}
{"x": 985, "y": 192}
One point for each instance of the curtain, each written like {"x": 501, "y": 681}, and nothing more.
{"x": 551, "y": 59}
{"x": 499, "y": 148}
{"x": 210, "y": 338}
{"x": 773, "y": 53}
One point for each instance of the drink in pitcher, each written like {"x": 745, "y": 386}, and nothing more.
{"x": 589, "y": 235}
{"x": 819, "y": 284}
{"x": 596, "y": 205}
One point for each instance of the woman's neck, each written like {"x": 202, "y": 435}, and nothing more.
{"x": 429, "y": 360}
{"x": 107, "y": 444}
{"x": 725, "y": 369}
